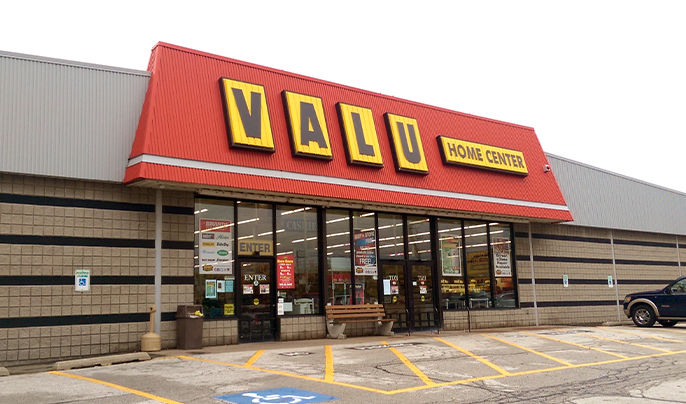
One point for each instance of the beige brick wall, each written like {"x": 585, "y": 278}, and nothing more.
{"x": 302, "y": 327}
{"x": 17, "y": 301}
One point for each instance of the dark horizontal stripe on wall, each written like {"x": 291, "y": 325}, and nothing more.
{"x": 572, "y": 303}
{"x": 563, "y": 238}
{"x": 579, "y": 260}
{"x": 645, "y": 243}
{"x": 92, "y": 242}
{"x": 90, "y": 203}
{"x": 582, "y": 260}
{"x": 650, "y": 263}
{"x": 84, "y": 319}
{"x": 572, "y": 281}
{"x": 644, "y": 281}
{"x": 49, "y": 280}
{"x": 178, "y": 280}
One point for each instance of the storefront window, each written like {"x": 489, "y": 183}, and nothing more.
{"x": 478, "y": 272}
{"x": 366, "y": 267}
{"x": 255, "y": 237}
{"x": 297, "y": 262}
{"x": 391, "y": 244}
{"x": 450, "y": 264}
{"x": 214, "y": 257}
{"x": 501, "y": 247}
{"x": 338, "y": 257}
{"x": 419, "y": 238}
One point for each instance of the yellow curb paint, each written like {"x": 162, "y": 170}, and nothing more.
{"x": 574, "y": 344}
{"x": 410, "y": 365}
{"x": 627, "y": 343}
{"x": 328, "y": 369}
{"x": 254, "y": 358}
{"x": 480, "y": 359}
{"x": 528, "y": 350}
{"x": 118, "y": 387}
{"x": 278, "y": 372}
{"x": 644, "y": 336}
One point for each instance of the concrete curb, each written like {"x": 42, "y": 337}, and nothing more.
{"x": 101, "y": 360}
{"x": 4, "y": 372}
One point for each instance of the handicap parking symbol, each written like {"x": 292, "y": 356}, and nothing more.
{"x": 82, "y": 281}
{"x": 277, "y": 396}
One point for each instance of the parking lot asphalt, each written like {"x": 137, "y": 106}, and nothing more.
{"x": 571, "y": 364}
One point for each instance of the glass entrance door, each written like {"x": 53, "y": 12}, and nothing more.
{"x": 422, "y": 310}
{"x": 393, "y": 278}
{"x": 256, "y": 318}
{"x": 408, "y": 294}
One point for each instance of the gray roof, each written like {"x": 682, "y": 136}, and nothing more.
{"x": 599, "y": 198}
{"x": 67, "y": 119}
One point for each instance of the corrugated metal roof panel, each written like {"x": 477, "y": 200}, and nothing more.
{"x": 598, "y": 198}
{"x": 67, "y": 119}
{"x": 183, "y": 118}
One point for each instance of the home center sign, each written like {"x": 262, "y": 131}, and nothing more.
{"x": 249, "y": 127}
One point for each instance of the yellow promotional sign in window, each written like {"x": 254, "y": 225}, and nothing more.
{"x": 247, "y": 118}
{"x": 407, "y": 144}
{"x": 359, "y": 135}
{"x": 307, "y": 125}
{"x": 461, "y": 152}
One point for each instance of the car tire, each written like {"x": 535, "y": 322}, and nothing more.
{"x": 643, "y": 315}
{"x": 667, "y": 323}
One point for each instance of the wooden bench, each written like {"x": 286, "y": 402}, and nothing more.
{"x": 337, "y": 316}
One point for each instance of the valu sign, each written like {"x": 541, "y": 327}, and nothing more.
{"x": 248, "y": 125}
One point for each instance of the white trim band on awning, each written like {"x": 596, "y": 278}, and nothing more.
{"x": 262, "y": 172}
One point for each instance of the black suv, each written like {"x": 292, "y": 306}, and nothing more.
{"x": 666, "y": 306}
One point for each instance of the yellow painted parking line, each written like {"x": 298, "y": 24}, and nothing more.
{"x": 328, "y": 369}
{"x": 643, "y": 335}
{"x": 528, "y": 350}
{"x": 477, "y": 357}
{"x": 528, "y": 372}
{"x": 254, "y": 358}
{"x": 278, "y": 372}
{"x": 574, "y": 344}
{"x": 410, "y": 365}
{"x": 626, "y": 343}
{"x": 118, "y": 387}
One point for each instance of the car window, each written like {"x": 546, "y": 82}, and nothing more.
{"x": 679, "y": 287}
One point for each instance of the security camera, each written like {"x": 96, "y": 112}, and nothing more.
{"x": 546, "y": 168}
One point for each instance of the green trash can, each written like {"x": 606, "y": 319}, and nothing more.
{"x": 188, "y": 327}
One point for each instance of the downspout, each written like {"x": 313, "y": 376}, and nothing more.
{"x": 158, "y": 260}
{"x": 614, "y": 270}
{"x": 533, "y": 276}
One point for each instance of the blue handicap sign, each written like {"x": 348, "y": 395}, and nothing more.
{"x": 82, "y": 281}
{"x": 277, "y": 396}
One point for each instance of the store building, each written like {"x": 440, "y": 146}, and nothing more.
{"x": 265, "y": 196}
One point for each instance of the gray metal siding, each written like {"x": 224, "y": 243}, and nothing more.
{"x": 599, "y": 198}
{"x": 67, "y": 119}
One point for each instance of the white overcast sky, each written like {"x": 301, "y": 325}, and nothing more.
{"x": 601, "y": 82}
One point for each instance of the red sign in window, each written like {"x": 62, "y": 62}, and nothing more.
{"x": 285, "y": 269}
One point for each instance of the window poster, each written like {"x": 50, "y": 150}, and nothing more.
{"x": 285, "y": 271}
{"x": 215, "y": 255}
{"x": 365, "y": 252}
{"x": 501, "y": 258}
{"x": 247, "y": 289}
{"x": 211, "y": 288}
{"x": 451, "y": 259}
{"x": 264, "y": 288}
